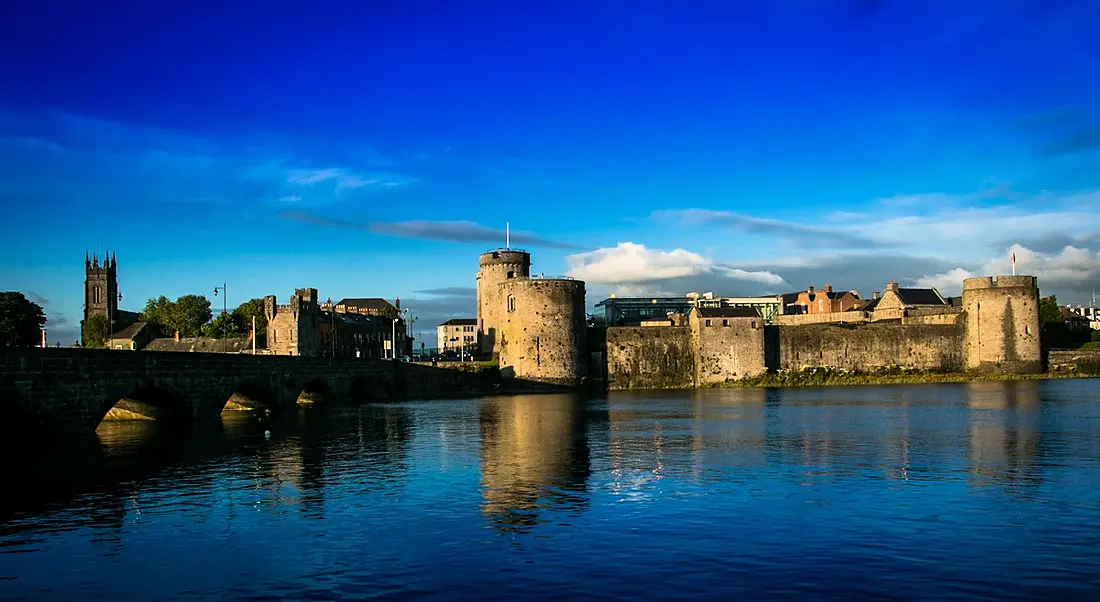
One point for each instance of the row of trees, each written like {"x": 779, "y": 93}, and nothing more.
{"x": 190, "y": 316}
{"x": 22, "y": 320}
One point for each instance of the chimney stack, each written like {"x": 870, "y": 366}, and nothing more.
{"x": 892, "y": 286}
{"x": 828, "y": 288}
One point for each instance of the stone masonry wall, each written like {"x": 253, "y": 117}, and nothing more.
{"x": 650, "y": 358}
{"x": 494, "y": 268}
{"x": 826, "y": 318}
{"x": 1002, "y": 323}
{"x": 727, "y": 352}
{"x": 543, "y": 330}
{"x": 1072, "y": 359}
{"x": 864, "y": 346}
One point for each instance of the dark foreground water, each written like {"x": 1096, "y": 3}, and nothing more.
{"x": 982, "y": 491}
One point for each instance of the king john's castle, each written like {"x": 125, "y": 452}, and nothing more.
{"x": 538, "y": 328}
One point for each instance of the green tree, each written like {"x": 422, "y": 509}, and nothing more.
{"x": 189, "y": 314}
{"x": 95, "y": 331}
{"x": 221, "y": 327}
{"x": 21, "y": 321}
{"x": 158, "y": 313}
{"x": 253, "y": 308}
{"x": 389, "y": 312}
{"x": 1049, "y": 312}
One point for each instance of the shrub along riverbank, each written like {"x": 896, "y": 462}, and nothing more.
{"x": 891, "y": 375}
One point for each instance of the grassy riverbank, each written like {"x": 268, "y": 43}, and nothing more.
{"x": 821, "y": 377}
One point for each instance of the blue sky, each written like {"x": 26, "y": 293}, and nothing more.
{"x": 374, "y": 149}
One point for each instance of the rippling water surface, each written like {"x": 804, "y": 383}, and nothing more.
{"x": 979, "y": 491}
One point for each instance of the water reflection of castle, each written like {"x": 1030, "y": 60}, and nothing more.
{"x": 534, "y": 457}
{"x": 1004, "y": 440}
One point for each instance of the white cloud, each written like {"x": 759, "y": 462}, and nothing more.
{"x": 947, "y": 283}
{"x": 291, "y": 199}
{"x": 309, "y": 177}
{"x": 632, "y": 263}
{"x": 345, "y": 179}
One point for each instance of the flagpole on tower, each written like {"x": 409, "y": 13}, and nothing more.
{"x": 507, "y": 236}
{"x": 1014, "y": 263}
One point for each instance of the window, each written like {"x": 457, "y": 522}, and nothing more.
{"x": 725, "y": 322}
{"x": 820, "y": 305}
{"x": 512, "y": 304}
{"x": 511, "y": 274}
{"x": 275, "y": 335}
{"x": 708, "y": 323}
{"x": 97, "y": 296}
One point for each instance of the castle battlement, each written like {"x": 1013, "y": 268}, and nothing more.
{"x": 984, "y": 282}
{"x": 505, "y": 257}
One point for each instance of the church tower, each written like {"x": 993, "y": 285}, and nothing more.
{"x": 101, "y": 287}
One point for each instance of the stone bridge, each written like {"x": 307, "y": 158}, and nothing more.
{"x": 58, "y": 391}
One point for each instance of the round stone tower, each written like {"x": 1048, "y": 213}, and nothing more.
{"x": 500, "y": 265}
{"x": 1002, "y": 324}
{"x": 542, "y": 325}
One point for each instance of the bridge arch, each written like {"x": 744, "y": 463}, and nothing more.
{"x": 143, "y": 401}
{"x": 361, "y": 390}
{"x": 316, "y": 391}
{"x": 251, "y": 395}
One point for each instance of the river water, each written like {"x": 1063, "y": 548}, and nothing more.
{"x": 981, "y": 491}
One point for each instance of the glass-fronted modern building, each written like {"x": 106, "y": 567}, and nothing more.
{"x": 631, "y": 311}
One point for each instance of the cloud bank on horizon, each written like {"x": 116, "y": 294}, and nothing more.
{"x": 1055, "y": 237}
{"x": 743, "y": 150}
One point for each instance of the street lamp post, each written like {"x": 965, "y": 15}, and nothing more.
{"x": 332, "y": 325}
{"x": 111, "y": 323}
{"x": 225, "y": 300}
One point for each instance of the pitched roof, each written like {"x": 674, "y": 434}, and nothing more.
{"x": 460, "y": 322}
{"x": 130, "y": 331}
{"x": 728, "y": 312}
{"x": 870, "y": 305}
{"x": 122, "y": 315}
{"x": 200, "y": 345}
{"x": 921, "y": 296}
{"x": 365, "y": 302}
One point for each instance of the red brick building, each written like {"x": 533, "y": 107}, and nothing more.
{"x": 824, "y": 301}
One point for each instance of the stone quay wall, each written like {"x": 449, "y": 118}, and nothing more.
{"x": 1072, "y": 359}
{"x": 866, "y": 346}
{"x": 650, "y": 358}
